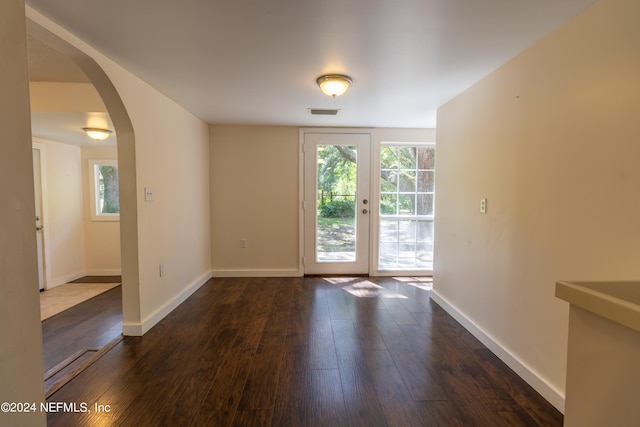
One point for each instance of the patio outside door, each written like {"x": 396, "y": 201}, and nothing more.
{"x": 336, "y": 202}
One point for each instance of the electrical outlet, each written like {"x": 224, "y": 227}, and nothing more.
{"x": 243, "y": 243}
{"x": 483, "y": 206}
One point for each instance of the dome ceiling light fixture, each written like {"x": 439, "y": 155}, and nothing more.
{"x": 97, "y": 133}
{"x": 334, "y": 84}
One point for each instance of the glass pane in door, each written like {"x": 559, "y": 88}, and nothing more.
{"x": 336, "y": 203}
{"x": 406, "y": 207}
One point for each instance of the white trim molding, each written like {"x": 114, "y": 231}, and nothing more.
{"x": 65, "y": 279}
{"x": 542, "y": 386}
{"x": 105, "y": 272}
{"x": 292, "y": 272}
{"x": 139, "y": 329}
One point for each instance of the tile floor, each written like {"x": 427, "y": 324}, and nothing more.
{"x": 60, "y": 298}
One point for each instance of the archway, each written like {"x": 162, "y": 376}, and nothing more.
{"x": 126, "y": 163}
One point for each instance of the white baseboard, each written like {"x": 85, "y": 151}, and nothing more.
{"x": 294, "y": 272}
{"x": 80, "y": 274}
{"x": 139, "y": 329}
{"x": 65, "y": 279}
{"x": 104, "y": 272}
{"x": 548, "y": 391}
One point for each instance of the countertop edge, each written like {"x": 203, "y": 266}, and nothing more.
{"x": 615, "y": 309}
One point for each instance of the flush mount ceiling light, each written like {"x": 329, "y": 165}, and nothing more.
{"x": 334, "y": 84}
{"x": 97, "y": 133}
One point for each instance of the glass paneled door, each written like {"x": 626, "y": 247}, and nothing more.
{"x": 407, "y": 189}
{"x": 336, "y": 203}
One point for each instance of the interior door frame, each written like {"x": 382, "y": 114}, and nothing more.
{"x": 46, "y": 253}
{"x": 373, "y": 198}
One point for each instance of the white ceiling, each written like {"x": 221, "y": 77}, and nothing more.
{"x": 49, "y": 65}
{"x": 256, "y": 61}
{"x": 67, "y": 127}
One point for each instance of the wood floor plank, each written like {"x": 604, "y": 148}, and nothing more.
{"x": 398, "y": 311}
{"x": 338, "y": 304}
{"x": 98, "y": 279}
{"x": 293, "y": 381}
{"x": 82, "y": 326}
{"x": 324, "y": 399}
{"x": 221, "y": 403}
{"x": 321, "y": 348}
{"x": 253, "y": 417}
{"x": 396, "y": 402}
{"x": 438, "y": 413}
{"x": 521, "y": 392}
{"x": 304, "y": 352}
{"x": 188, "y": 397}
{"x": 259, "y": 390}
{"x": 358, "y": 389}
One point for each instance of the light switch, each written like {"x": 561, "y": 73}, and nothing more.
{"x": 148, "y": 194}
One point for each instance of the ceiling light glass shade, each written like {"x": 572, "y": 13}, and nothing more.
{"x": 97, "y": 133}
{"x": 334, "y": 84}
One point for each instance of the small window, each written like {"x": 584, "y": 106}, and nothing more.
{"x": 105, "y": 193}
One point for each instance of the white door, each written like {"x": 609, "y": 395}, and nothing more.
{"x": 37, "y": 179}
{"x": 336, "y": 202}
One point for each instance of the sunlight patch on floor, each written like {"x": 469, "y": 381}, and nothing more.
{"x": 424, "y": 283}
{"x": 363, "y": 288}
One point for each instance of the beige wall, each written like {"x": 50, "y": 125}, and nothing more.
{"x": 75, "y": 246}
{"x": 21, "y": 368}
{"x": 551, "y": 140}
{"x": 255, "y": 175}
{"x": 65, "y": 97}
{"x": 254, "y": 185}
{"x": 172, "y": 150}
{"x": 166, "y": 148}
{"x": 64, "y": 214}
{"x": 102, "y": 238}
{"x": 603, "y": 379}
{"x": 404, "y": 135}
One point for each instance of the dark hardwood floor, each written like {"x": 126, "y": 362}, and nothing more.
{"x": 304, "y": 352}
{"x": 73, "y": 337}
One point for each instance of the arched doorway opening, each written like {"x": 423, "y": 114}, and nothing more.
{"x": 126, "y": 163}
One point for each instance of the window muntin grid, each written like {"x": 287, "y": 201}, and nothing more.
{"x": 407, "y": 191}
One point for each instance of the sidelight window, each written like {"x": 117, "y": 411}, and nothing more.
{"x": 407, "y": 190}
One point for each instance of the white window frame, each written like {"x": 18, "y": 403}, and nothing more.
{"x": 376, "y": 214}
{"x": 94, "y": 191}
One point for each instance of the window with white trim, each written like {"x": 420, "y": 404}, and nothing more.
{"x": 407, "y": 191}
{"x": 105, "y": 193}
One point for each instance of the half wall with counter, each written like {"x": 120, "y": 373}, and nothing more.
{"x": 603, "y": 358}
